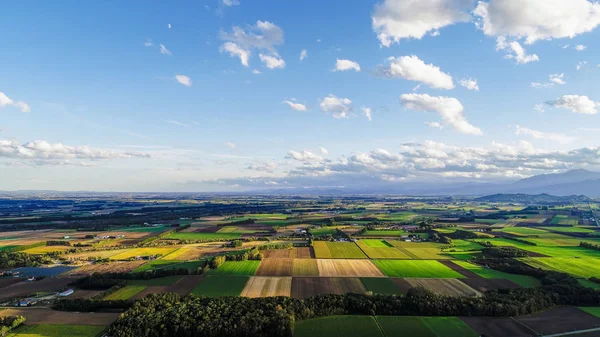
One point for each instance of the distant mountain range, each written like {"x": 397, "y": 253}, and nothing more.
{"x": 533, "y": 199}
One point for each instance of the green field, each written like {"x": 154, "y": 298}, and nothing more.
{"x": 323, "y": 230}
{"x": 126, "y": 292}
{"x": 379, "y": 249}
{"x": 416, "y": 268}
{"x": 571, "y": 230}
{"x": 216, "y": 286}
{"x": 449, "y": 327}
{"x": 588, "y": 283}
{"x": 58, "y": 330}
{"x": 156, "y": 264}
{"x": 163, "y": 281}
{"x": 6, "y": 247}
{"x": 135, "y": 252}
{"x": 522, "y": 280}
{"x": 591, "y": 310}
{"x": 348, "y": 326}
{"x": 383, "y": 286}
{"x": 337, "y": 250}
{"x": 409, "y": 326}
{"x": 203, "y": 236}
{"x": 558, "y": 247}
{"x": 564, "y": 220}
{"x": 237, "y": 268}
{"x": 583, "y": 267}
{"x": 385, "y": 233}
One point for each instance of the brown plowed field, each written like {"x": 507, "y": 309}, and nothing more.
{"x": 303, "y": 287}
{"x": 259, "y": 286}
{"x": 275, "y": 267}
{"x": 560, "y": 319}
{"x": 113, "y": 267}
{"x": 497, "y": 327}
{"x": 293, "y": 253}
{"x": 402, "y": 284}
{"x": 448, "y": 287}
{"x": 27, "y": 288}
{"x": 459, "y": 269}
{"x": 485, "y": 284}
{"x": 347, "y": 268}
{"x": 48, "y": 316}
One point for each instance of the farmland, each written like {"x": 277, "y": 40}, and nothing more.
{"x": 58, "y": 330}
{"x": 371, "y": 250}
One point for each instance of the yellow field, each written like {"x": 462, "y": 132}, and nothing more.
{"x": 132, "y": 253}
{"x": 305, "y": 267}
{"x": 178, "y": 254}
{"x": 259, "y": 286}
{"x": 347, "y": 268}
{"x": 46, "y": 249}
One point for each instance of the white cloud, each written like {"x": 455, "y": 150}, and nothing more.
{"x": 234, "y": 50}
{"x": 264, "y": 36}
{"x": 148, "y": 43}
{"x": 178, "y": 123}
{"x": 515, "y": 51}
{"x": 262, "y": 167}
{"x": 44, "y": 153}
{"x": 296, "y": 106}
{"x": 535, "y": 20}
{"x": 339, "y": 107}
{"x": 394, "y": 20}
{"x": 580, "y": 65}
{"x": 324, "y": 151}
{"x": 6, "y": 101}
{"x": 580, "y": 47}
{"x": 304, "y": 156}
{"x": 344, "y": 65}
{"x": 541, "y": 108}
{"x": 576, "y": 103}
{"x": 230, "y": 145}
{"x": 185, "y": 80}
{"x": 565, "y": 46}
{"x": 553, "y": 79}
{"x": 413, "y": 68}
{"x": 449, "y": 108}
{"x": 303, "y": 54}
{"x": 272, "y": 62}
{"x": 164, "y": 50}
{"x": 435, "y": 125}
{"x": 551, "y": 136}
{"x": 256, "y": 72}
{"x": 230, "y": 3}
{"x": 169, "y": 26}
{"x": 367, "y": 112}
{"x": 469, "y": 83}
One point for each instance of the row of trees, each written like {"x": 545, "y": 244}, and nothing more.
{"x": 9, "y": 260}
{"x": 9, "y": 323}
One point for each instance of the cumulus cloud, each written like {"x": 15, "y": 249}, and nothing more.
{"x": 236, "y": 51}
{"x": 230, "y": 3}
{"x": 553, "y": 79}
{"x": 469, "y": 83}
{"x": 45, "y": 153}
{"x": 344, "y": 65}
{"x": 303, "y": 54}
{"x": 576, "y": 103}
{"x": 536, "y": 134}
{"x": 541, "y": 108}
{"x": 164, "y": 50}
{"x": 185, "y": 80}
{"x": 394, "y": 20}
{"x": 515, "y": 51}
{"x": 449, "y": 108}
{"x": 6, "y": 101}
{"x": 368, "y": 113}
{"x": 324, "y": 151}
{"x": 305, "y": 156}
{"x": 413, "y": 68}
{"x": 580, "y": 65}
{"x": 338, "y": 107}
{"x": 262, "y": 167}
{"x": 296, "y": 106}
{"x": 580, "y": 47}
{"x": 263, "y": 36}
{"x": 272, "y": 62}
{"x": 256, "y": 72}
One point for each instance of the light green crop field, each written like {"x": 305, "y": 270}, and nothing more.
{"x": 571, "y": 229}
{"x": 203, "y": 236}
{"x": 132, "y": 253}
{"x": 416, "y": 268}
{"x": 383, "y": 286}
{"x": 522, "y": 280}
{"x": 522, "y": 231}
{"x": 58, "y": 330}
{"x": 551, "y": 247}
{"x": 216, "y": 286}
{"x": 385, "y": 233}
{"x": 378, "y": 249}
{"x": 588, "y": 284}
{"x": 337, "y": 250}
{"x": 449, "y": 327}
{"x": 350, "y": 326}
{"x": 163, "y": 281}
{"x": 408, "y": 326}
{"x": 579, "y": 267}
{"x": 591, "y": 310}
{"x": 565, "y": 220}
{"x": 238, "y": 268}
{"x": 126, "y": 292}
{"x": 324, "y": 230}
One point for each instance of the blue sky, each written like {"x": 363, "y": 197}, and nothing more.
{"x": 102, "y": 108}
